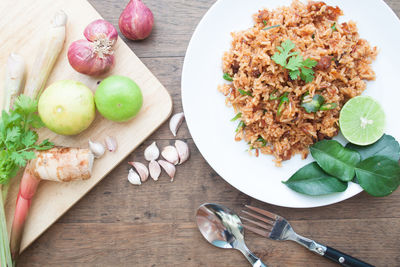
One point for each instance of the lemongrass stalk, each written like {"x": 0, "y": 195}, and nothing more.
{"x": 49, "y": 50}
{"x": 15, "y": 73}
{"x": 6, "y": 259}
{"x": 27, "y": 190}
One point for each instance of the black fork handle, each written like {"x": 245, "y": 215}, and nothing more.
{"x": 344, "y": 259}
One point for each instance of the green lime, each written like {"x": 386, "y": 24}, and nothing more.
{"x": 118, "y": 98}
{"x": 362, "y": 120}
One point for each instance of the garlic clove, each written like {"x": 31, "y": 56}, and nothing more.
{"x": 151, "y": 152}
{"x": 111, "y": 143}
{"x": 175, "y": 122}
{"x": 183, "y": 151}
{"x": 96, "y": 148}
{"x": 168, "y": 168}
{"x": 155, "y": 170}
{"x": 170, "y": 154}
{"x": 133, "y": 177}
{"x": 141, "y": 169}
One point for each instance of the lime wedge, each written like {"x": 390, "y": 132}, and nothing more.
{"x": 362, "y": 120}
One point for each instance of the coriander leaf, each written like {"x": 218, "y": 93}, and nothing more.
{"x": 227, "y": 77}
{"x": 385, "y": 146}
{"x": 307, "y": 75}
{"x": 18, "y": 158}
{"x": 25, "y": 105}
{"x": 243, "y": 92}
{"x": 294, "y": 74}
{"x": 265, "y": 22}
{"x": 281, "y": 58}
{"x": 237, "y": 116}
{"x": 36, "y": 122}
{"x": 335, "y": 159}
{"x": 379, "y": 176}
{"x": 310, "y": 63}
{"x": 28, "y": 155}
{"x": 312, "y": 180}
{"x": 13, "y": 134}
{"x": 294, "y": 63}
{"x": 29, "y": 138}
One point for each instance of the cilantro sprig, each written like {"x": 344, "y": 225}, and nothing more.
{"x": 17, "y": 139}
{"x": 294, "y": 62}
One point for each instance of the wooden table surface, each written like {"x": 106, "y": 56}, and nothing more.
{"x": 118, "y": 224}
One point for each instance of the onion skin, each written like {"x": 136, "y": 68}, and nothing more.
{"x": 82, "y": 58}
{"x": 100, "y": 29}
{"x": 136, "y": 21}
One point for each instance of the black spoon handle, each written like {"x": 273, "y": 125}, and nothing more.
{"x": 344, "y": 259}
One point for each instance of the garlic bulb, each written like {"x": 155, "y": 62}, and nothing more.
{"x": 155, "y": 170}
{"x": 96, "y": 148}
{"x": 183, "y": 151}
{"x": 175, "y": 122}
{"x": 168, "y": 168}
{"x": 141, "y": 169}
{"x": 170, "y": 154}
{"x": 151, "y": 152}
{"x": 111, "y": 143}
{"x": 133, "y": 177}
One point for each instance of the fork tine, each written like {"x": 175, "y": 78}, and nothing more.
{"x": 266, "y": 227}
{"x": 256, "y": 230}
{"x": 263, "y": 212}
{"x": 266, "y": 220}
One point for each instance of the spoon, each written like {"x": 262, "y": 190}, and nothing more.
{"x": 223, "y": 228}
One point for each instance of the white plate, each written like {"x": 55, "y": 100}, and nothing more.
{"x": 209, "y": 119}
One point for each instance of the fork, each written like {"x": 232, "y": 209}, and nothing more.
{"x": 276, "y": 227}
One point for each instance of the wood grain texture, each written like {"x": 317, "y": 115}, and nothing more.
{"x": 53, "y": 199}
{"x": 117, "y": 224}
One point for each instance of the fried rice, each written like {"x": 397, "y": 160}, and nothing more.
{"x": 344, "y": 64}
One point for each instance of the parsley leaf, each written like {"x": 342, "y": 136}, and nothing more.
{"x": 17, "y": 137}
{"x": 294, "y": 62}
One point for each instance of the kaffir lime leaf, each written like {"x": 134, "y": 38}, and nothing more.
{"x": 362, "y": 120}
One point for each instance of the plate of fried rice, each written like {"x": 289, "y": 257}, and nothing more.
{"x": 248, "y": 109}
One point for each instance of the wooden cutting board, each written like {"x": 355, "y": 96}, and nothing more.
{"x": 21, "y": 26}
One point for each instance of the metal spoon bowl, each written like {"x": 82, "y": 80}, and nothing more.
{"x": 223, "y": 228}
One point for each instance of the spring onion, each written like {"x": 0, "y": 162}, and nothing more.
{"x": 237, "y": 116}
{"x": 283, "y": 99}
{"x": 243, "y": 92}
{"x": 227, "y": 77}
{"x": 271, "y": 27}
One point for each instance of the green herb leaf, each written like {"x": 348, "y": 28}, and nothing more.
{"x": 281, "y": 58}
{"x": 310, "y": 63}
{"x": 307, "y": 75}
{"x": 237, "y": 116}
{"x": 313, "y": 36}
{"x": 378, "y": 175}
{"x": 243, "y": 92}
{"x": 294, "y": 63}
{"x": 273, "y": 95}
{"x": 333, "y": 27}
{"x": 312, "y": 180}
{"x": 294, "y": 74}
{"x": 271, "y": 27}
{"x": 240, "y": 126}
{"x": 265, "y": 22}
{"x": 227, "y": 77}
{"x": 385, "y": 146}
{"x": 312, "y": 104}
{"x": 335, "y": 159}
{"x": 328, "y": 106}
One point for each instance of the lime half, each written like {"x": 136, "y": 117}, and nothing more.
{"x": 362, "y": 120}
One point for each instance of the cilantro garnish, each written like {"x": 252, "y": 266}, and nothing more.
{"x": 294, "y": 62}
{"x": 17, "y": 139}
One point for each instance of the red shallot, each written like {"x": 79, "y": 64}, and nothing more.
{"x": 136, "y": 21}
{"x": 94, "y": 56}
